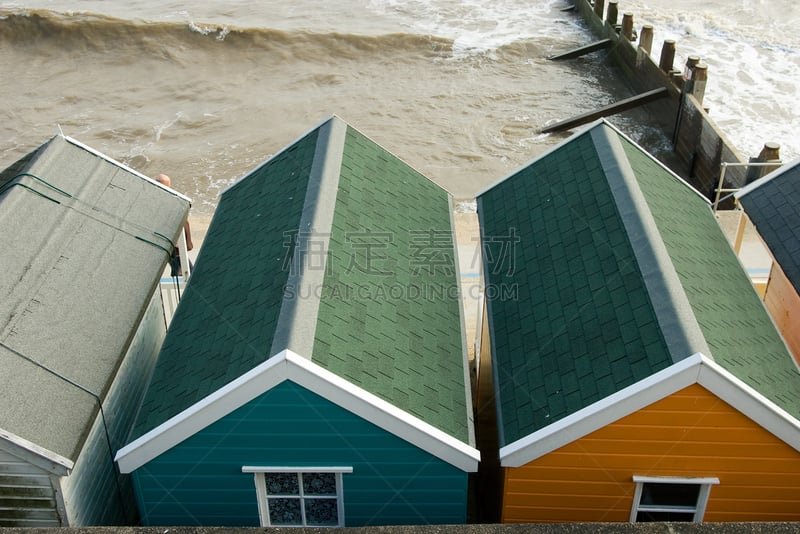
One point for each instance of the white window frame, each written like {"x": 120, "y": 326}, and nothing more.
{"x": 698, "y": 510}
{"x": 263, "y": 498}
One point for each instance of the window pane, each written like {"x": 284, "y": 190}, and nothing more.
{"x": 670, "y": 494}
{"x": 284, "y": 512}
{"x": 319, "y": 484}
{"x": 282, "y": 484}
{"x": 322, "y": 512}
{"x": 644, "y": 517}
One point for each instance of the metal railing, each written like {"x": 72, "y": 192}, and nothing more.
{"x": 724, "y": 167}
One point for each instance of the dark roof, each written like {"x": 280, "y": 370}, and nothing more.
{"x": 261, "y": 284}
{"x": 773, "y": 205}
{"x": 84, "y": 241}
{"x": 619, "y": 271}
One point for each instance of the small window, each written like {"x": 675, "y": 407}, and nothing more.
{"x": 297, "y": 497}
{"x": 670, "y": 499}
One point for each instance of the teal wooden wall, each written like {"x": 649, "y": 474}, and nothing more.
{"x": 199, "y": 481}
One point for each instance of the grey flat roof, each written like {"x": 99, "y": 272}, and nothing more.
{"x": 84, "y": 241}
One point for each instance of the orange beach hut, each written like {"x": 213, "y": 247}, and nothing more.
{"x": 631, "y": 367}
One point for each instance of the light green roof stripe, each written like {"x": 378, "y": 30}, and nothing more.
{"x": 737, "y": 328}
{"x": 389, "y": 318}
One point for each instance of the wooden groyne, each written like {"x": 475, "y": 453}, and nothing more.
{"x": 699, "y": 146}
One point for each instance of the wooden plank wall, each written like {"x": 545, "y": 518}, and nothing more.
{"x": 691, "y": 433}
{"x": 783, "y": 304}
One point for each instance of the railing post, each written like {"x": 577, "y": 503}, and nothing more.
{"x": 723, "y": 168}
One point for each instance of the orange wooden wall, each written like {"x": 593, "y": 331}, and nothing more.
{"x": 783, "y": 304}
{"x": 691, "y": 433}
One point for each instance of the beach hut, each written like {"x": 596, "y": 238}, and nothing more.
{"x": 83, "y": 245}
{"x": 636, "y": 373}
{"x": 773, "y": 205}
{"x": 315, "y": 371}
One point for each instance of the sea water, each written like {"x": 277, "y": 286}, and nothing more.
{"x": 205, "y": 91}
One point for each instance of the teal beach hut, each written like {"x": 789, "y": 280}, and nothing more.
{"x": 315, "y": 370}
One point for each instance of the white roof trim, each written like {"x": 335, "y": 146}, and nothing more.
{"x": 750, "y": 402}
{"x": 290, "y": 469}
{"x": 697, "y": 369}
{"x": 123, "y": 166}
{"x": 290, "y": 366}
{"x": 35, "y": 454}
{"x": 200, "y": 415}
{"x": 382, "y": 414}
{"x": 768, "y": 178}
{"x": 601, "y": 413}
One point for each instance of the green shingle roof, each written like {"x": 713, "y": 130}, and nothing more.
{"x": 341, "y": 252}
{"x": 618, "y": 271}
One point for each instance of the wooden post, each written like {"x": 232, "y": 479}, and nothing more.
{"x": 599, "y": 7}
{"x": 646, "y": 38}
{"x": 699, "y": 78}
{"x": 627, "y": 26}
{"x": 613, "y": 12}
{"x": 687, "y": 78}
{"x": 667, "y": 56}
{"x": 770, "y": 152}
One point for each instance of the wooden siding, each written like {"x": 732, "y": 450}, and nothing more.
{"x": 200, "y": 481}
{"x": 27, "y": 498}
{"x": 95, "y": 493}
{"x": 783, "y": 304}
{"x": 691, "y": 433}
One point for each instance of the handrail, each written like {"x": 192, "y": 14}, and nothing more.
{"x": 724, "y": 167}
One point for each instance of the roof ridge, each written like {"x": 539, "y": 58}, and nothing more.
{"x": 676, "y": 318}
{"x": 301, "y": 297}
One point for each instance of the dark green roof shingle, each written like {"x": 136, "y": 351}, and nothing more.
{"x": 581, "y": 325}
{"x": 589, "y": 317}
{"x": 226, "y": 319}
{"x": 383, "y": 314}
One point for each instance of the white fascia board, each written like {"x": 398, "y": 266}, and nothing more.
{"x": 381, "y": 413}
{"x": 750, "y": 402}
{"x": 603, "y": 412}
{"x": 125, "y": 167}
{"x": 34, "y": 454}
{"x": 769, "y": 177}
{"x": 203, "y": 413}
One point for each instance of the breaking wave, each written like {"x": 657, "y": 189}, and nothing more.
{"x": 89, "y": 31}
